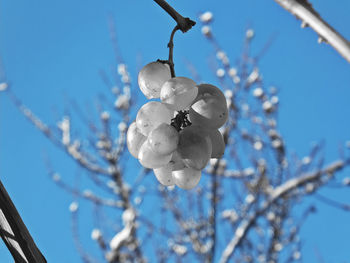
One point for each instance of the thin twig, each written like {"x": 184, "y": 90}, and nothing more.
{"x": 309, "y": 17}
{"x": 213, "y": 210}
{"x": 171, "y": 51}
{"x": 184, "y": 24}
{"x": 331, "y": 202}
{"x": 278, "y": 192}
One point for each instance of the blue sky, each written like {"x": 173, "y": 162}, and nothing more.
{"x": 54, "y": 49}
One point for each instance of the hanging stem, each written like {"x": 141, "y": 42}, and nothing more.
{"x": 171, "y": 51}
{"x": 184, "y": 24}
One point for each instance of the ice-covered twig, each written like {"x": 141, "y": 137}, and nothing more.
{"x": 303, "y": 10}
{"x": 278, "y": 192}
{"x": 213, "y": 210}
{"x": 71, "y": 148}
{"x": 85, "y": 256}
{"x": 125, "y": 236}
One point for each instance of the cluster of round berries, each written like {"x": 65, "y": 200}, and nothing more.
{"x": 177, "y": 136}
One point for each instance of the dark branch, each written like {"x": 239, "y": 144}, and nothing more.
{"x": 19, "y": 242}
{"x": 183, "y": 23}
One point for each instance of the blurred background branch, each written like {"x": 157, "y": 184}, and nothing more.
{"x": 309, "y": 17}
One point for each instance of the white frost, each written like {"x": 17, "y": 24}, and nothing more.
{"x": 276, "y": 143}
{"x": 249, "y": 34}
{"x": 96, "y": 234}
{"x": 274, "y": 100}
{"x": 346, "y": 181}
{"x": 3, "y": 86}
{"x": 56, "y": 177}
{"x": 230, "y": 214}
{"x": 220, "y": 73}
{"x": 128, "y": 216}
{"x": 232, "y": 72}
{"x": 228, "y": 94}
{"x": 120, "y": 238}
{"x": 73, "y": 207}
{"x": 253, "y": 76}
{"x": 206, "y": 17}
{"x": 105, "y": 115}
{"x": 249, "y": 199}
{"x": 267, "y": 106}
{"x": 122, "y": 69}
{"x": 122, "y": 102}
{"x": 206, "y": 31}
{"x": 64, "y": 126}
{"x": 124, "y": 235}
{"x": 179, "y": 249}
{"x": 306, "y": 160}
{"x": 122, "y": 126}
{"x": 258, "y": 145}
{"x": 249, "y": 171}
{"x": 258, "y": 92}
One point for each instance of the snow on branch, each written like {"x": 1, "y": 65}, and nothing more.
{"x": 304, "y": 11}
{"x": 71, "y": 148}
{"x": 124, "y": 237}
{"x": 285, "y": 188}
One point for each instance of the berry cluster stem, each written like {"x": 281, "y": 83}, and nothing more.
{"x": 182, "y": 23}
{"x": 181, "y": 120}
{"x": 171, "y": 51}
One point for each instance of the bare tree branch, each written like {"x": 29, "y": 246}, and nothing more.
{"x": 304, "y": 11}
{"x": 278, "y": 192}
{"x": 183, "y": 23}
{"x": 14, "y": 232}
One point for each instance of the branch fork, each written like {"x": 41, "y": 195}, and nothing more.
{"x": 183, "y": 23}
